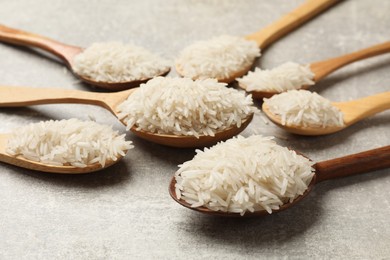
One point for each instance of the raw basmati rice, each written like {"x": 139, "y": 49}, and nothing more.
{"x": 220, "y": 57}
{"x": 243, "y": 174}
{"x": 304, "y": 108}
{"x": 68, "y": 142}
{"x": 117, "y": 62}
{"x": 181, "y": 106}
{"x": 287, "y": 76}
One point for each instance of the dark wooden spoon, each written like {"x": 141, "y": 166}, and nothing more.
{"x": 363, "y": 162}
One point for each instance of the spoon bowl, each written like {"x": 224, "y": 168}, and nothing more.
{"x": 353, "y": 111}
{"x": 65, "y": 52}
{"x": 363, "y": 162}
{"x": 191, "y": 141}
{"x": 116, "y": 86}
{"x": 227, "y": 80}
{"x": 39, "y": 166}
{"x": 22, "y": 96}
{"x": 259, "y": 213}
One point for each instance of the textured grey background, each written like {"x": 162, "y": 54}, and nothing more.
{"x": 125, "y": 211}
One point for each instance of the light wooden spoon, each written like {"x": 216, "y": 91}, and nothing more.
{"x": 23, "y": 96}
{"x": 353, "y": 112}
{"x": 278, "y": 29}
{"x": 65, "y": 52}
{"x": 38, "y": 166}
{"x": 363, "y": 162}
{"x": 321, "y": 69}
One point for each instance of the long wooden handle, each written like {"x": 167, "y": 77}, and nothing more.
{"x": 359, "y": 109}
{"x": 363, "y": 162}
{"x": 18, "y": 37}
{"x": 323, "y": 68}
{"x": 26, "y": 96}
{"x": 289, "y": 22}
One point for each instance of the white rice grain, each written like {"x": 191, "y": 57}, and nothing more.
{"x": 244, "y": 174}
{"x": 287, "y": 76}
{"x": 71, "y": 142}
{"x": 304, "y": 108}
{"x": 181, "y": 106}
{"x": 117, "y": 62}
{"x": 220, "y": 57}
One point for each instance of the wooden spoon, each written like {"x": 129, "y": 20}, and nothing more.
{"x": 321, "y": 69}
{"x": 38, "y": 166}
{"x": 278, "y": 29}
{"x": 65, "y": 52}
{"x": 363, "y": 162}
{"x": 353, "y": 111}
{"x": 22, "y": 96}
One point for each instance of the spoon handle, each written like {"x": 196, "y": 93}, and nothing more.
{"x": 25, "y": 96}
{"x": 323, "y": 68}
{"x": 18, "y": 37}
{"x": 359, "y": 109}
{"x": 363, "y": 162}
{"x": 289, "y": 22}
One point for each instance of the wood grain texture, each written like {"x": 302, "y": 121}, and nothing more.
{"x": 363, "y": 162}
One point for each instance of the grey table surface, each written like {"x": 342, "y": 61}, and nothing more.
{"x": 125, "y": 211}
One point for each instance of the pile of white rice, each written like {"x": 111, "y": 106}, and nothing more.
{"x": 304, "y": 108}
{"x": 181, "y": 106}
{"x": 287, "y": 76}
{"x": 221, "y": 57}
{"x": 243, "y": 174}
{"x": 68, "y": 142}
{"x": 116, "y": 62}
